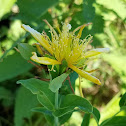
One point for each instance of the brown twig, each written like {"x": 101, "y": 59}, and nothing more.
{"x": 16, "y": 49}
{"x": 39, "y": 67}
{"x": 43, "y": 79}
{"x": 70, "y": 85}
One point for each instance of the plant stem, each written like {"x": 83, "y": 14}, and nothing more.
{"x": 56, "y": 107}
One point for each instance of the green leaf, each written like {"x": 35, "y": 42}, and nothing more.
{"x": 88, "y": 10}
{"x": 70, "y": 102}
{"x": 5, "y": 7}
{"x": 116, "y": 121}
{"x": 36, "y": 86}
{"x": 42, "y": 110}
{"x": 4, "y": 93}
{"x": 26, "y": 50}
{"x": 33, "y": 10}
{"x": 123, "y": 101}
{"x": 64, "y": 118}
{"x": 6, "y": 96}
{"x": 56, "y": 83}
{"x": 96, "y": 114}
{"x": 74, "y": 100}
{"x": 86, "y": 119}
{"x": 13, "y": 66}
{"x": 43, "y": 99}
{"x": 50, "y": 119}
{"x": 63, "y": 111}
{"x": 25, "y": 101}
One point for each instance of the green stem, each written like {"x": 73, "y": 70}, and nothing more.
{"x": 56, "y": 107}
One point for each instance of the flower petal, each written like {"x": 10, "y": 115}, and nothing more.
{"x": 85, "y": 74}
{"x": 44, "y": 60}
{"x": 95, "y": 52}
{"x": 38, "y": 37}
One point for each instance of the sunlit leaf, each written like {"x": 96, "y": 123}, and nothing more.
{"x": 5, "y": 7}
{"x": 116, "y": 5}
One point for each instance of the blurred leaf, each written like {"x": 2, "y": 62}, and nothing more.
{"x": 4, "y": 93}
{"x": 14, "y": 44}
{"x": 123, "y": 101}
{"x": 86, "y": 119}
{"x": 13, "y": 66}
{"x": 88, "y": 10}
{"x": 43, "y": 99}
{"x": 5, "y": 96}
{"x": 36, "y": 86}
{"x": 56, "y": 83}
{"x": 116, "y": 121}
{"x": 117, "y": 61}
{"x": 5, "y": 7}
{"x": 33, "y": 10}
{"x": 111, "y": 108}
{"x": 115, "y": 5}
{"x": 15, "y": 31}
{"x": 26, "y": 50}
{"x": 25, "y": 101}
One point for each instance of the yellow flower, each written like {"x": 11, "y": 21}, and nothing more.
{"x": 66, "y": 46}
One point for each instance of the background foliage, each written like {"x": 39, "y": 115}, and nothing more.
{"x": 108, "y": 18}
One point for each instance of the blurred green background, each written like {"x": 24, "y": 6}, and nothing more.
{"x": 108, "y": 18}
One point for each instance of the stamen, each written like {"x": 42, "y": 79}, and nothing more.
{"x": 69, "y": 26}
{"x": 52, "y": 69}
{"x": 51, "y": 28}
